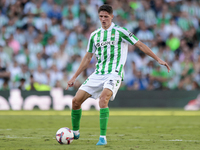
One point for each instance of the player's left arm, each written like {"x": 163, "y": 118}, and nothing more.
{"x": 149, "y": 52}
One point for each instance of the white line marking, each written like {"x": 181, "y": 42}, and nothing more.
{"x": 92, "y": 139}
{"x": 176, "y": 140}
{"x": 180, "y": 140}
{"x": 4, "y": 129}
{"x": 16, "y": 137}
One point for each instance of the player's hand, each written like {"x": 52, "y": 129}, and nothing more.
{"x": 164, "y": 64}
{"x": 70, "y": 83}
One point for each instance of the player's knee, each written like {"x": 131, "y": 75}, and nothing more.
{"x": 103, "y": 101}
{"x": 75, "y": 104}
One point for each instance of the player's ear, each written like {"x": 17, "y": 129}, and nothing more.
{"x": 112, "y": 16}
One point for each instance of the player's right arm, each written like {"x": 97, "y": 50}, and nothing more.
{"x": 84, "y": 63}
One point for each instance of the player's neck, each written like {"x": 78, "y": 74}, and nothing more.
{"x": 106, "y": 27}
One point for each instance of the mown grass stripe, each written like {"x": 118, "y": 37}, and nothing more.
{"x": 94, "y": 113}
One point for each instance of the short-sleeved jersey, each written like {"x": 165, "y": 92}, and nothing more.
{"x": 110, "y": 47}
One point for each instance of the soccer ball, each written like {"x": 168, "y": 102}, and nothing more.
{"x": 64, "y": 135}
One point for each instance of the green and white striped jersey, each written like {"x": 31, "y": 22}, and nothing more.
{"x": 110, "y": 47}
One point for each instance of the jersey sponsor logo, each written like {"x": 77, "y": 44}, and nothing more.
{"x": 101, "y": 44}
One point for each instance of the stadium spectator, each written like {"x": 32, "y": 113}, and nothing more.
{"x": 62, "y": 57}
{"x": 14, "y": 44}
{"x": 55, "y": 12}
{"x": 47, "y": 5}
{"x": 3, "y": 19}
{"x": 147, "y": 14}
{"x": 51, "y": 47}
{"x": 55, "y": 75}
{"x": 3, "y": 35}
{"x": 64, "y": 80}
{"x": 15, "y": 71}
{"x": 144, "y": 34}
{"x": 70, "y": 7}
{"x": 41, "y": 22}
{"x": 38, "y": 10}
{"x": 4, "y": 57}
{"x": 4, "y": 76}
{"x": 22, "y": 84}
{"x": 139, "y": 83}
{"x": 37, "y": 60}
{"x": 61, "y": 34}
{"x": 5, "y": 86}
{"x": 35, "y": 46}
{"x": 70, "y": 21}
{"x": 159, "y": 78}
{"x": 26, "y": 74}
{"x": 30, "y": 7}
{"x": 40, "y": 76}
{"x": 32, "y": 86}
{"x": 30, "y": 34}
{"x": 7, "y": 49}
{"x": 19, "y": 36}
{"x": 172, "y": 28}
{"x": 10, "y": 29}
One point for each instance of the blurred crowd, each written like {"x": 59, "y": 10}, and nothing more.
{"x": 42, "y": 42}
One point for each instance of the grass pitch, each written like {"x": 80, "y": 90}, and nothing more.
{"x": 128, "y": 129}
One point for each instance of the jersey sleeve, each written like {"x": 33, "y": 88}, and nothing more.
{"x": 91, "y": 46}
{"x": 128, "y": 36}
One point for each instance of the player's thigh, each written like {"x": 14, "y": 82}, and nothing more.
{"x": 81, "y": 96}
{"x": 113, "y": 84}
{"x": 106, "y": 94}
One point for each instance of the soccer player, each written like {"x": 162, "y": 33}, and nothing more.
{"x": 110, "y": 45}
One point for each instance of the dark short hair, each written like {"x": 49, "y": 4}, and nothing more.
{"x": 106, "y": 8}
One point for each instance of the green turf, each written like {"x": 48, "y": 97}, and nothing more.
{"x": 136, "y": 129}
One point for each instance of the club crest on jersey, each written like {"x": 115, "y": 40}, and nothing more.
{"x": 101, "y": 44}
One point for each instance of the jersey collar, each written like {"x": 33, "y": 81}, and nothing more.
{"x": 110, "y": 28}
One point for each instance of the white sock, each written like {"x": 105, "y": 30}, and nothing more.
{"x": 76, "y": 132}
{"x": 103, "y": 136}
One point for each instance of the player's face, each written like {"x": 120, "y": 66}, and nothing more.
{"x": 106, "y": 19}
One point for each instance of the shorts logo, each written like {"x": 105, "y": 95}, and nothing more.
{"x": 105, "y": 43}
